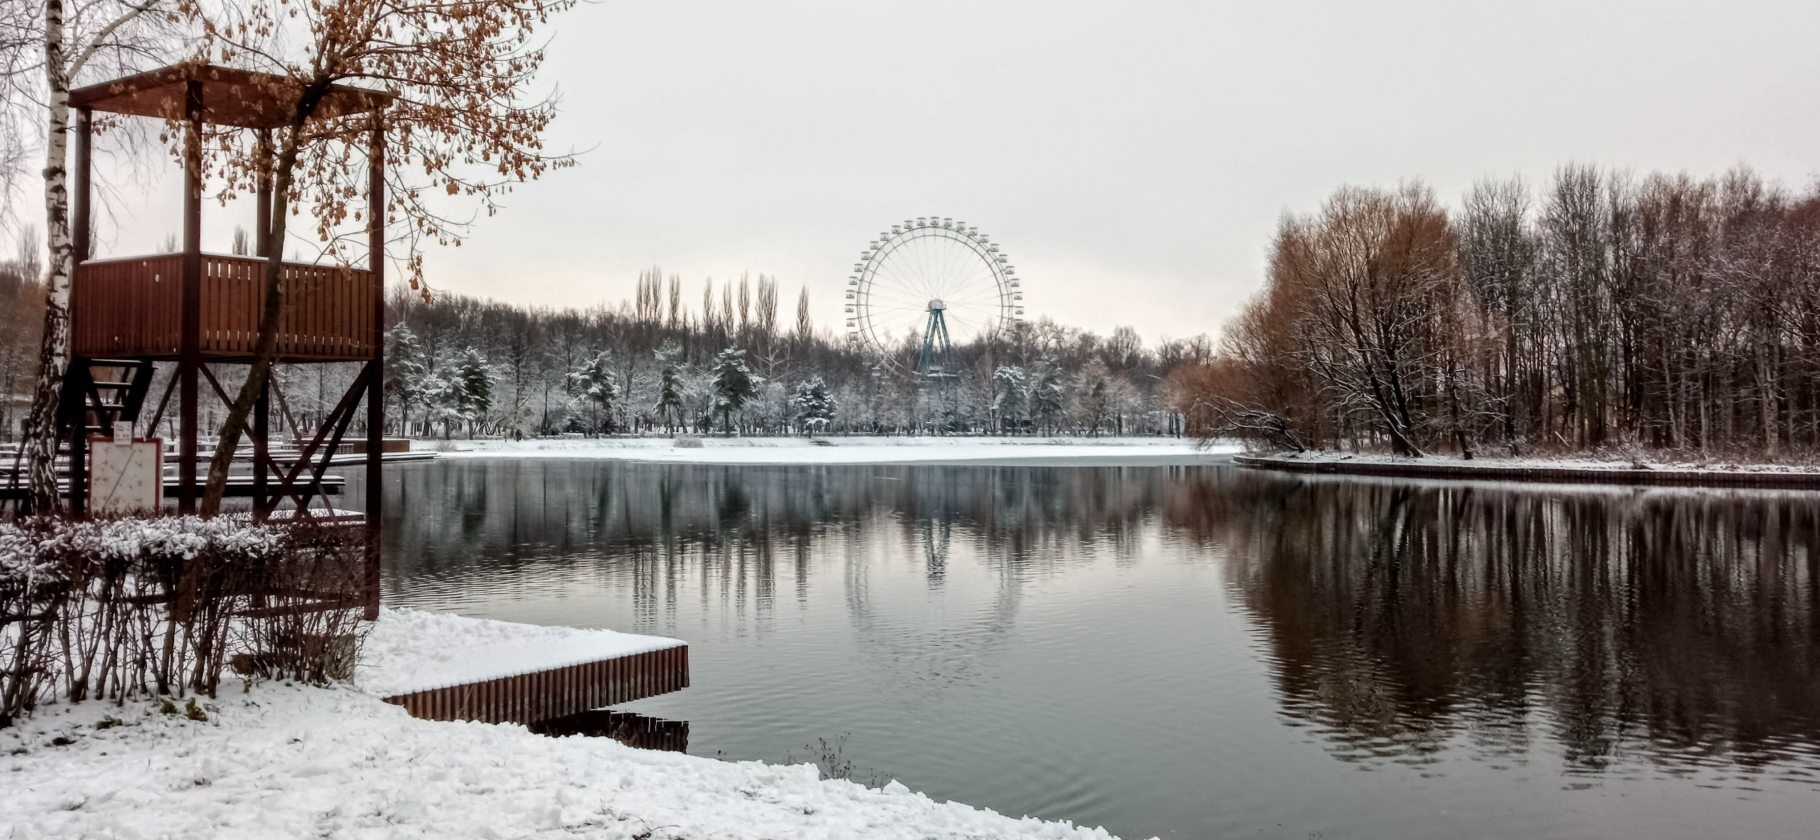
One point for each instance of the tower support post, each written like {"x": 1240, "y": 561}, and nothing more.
{"x": 376, "y": 215}
{"x": 189, "y": 362}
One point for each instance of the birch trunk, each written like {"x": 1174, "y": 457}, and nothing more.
{"x": 54, "y": 352}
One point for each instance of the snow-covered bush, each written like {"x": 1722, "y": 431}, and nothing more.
{"x": 117, "y": 607}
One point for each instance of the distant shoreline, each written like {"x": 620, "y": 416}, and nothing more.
{"x": 859, "y": 451}
{"x": 1763, "y": 476}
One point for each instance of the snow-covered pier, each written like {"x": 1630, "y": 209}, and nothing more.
{"x": 442, "y": 667}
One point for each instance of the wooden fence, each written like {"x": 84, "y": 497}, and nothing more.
{"x": 133, "y": 308}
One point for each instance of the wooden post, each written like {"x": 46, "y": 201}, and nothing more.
{"x": 82, "y": 216}
{"x": 376, "y": 214}
{"x": 76, "y": 380}
{"x": 262, "y": 237}
{"x": 262, "y": 410}
{"x": 262, "y": 450}
{"x": 190, "y": 331}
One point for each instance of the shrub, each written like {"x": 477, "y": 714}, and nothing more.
{"x": 116, "y": 608}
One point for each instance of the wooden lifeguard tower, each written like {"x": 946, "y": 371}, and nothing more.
{"x": 198, "y": 309}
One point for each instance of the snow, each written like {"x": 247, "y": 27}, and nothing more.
{"x": 282, "y": 760}
{"x": 851, "y": 450}
{"x": 409, "y": 650}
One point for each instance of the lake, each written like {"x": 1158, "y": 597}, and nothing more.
{"x": 1187, "y": 651}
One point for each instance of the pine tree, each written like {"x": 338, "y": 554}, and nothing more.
{"x": 473, "y": 385}
{"x": 442, "y": 402}
{"x": 669, "y": 405}
{"x": 1048, "y": 397}
{"x": 734, "y": 384}
{"x": 1010, "y": 398}
{"x": 407, "y": 377}
{"x": 593, "y": 383}
{"x": 815, "y": 407}
{"x": 669, "y": 397}
{"x": 1092, "y": 397}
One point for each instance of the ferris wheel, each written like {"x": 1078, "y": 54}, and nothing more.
{"x": 935, "y": 276}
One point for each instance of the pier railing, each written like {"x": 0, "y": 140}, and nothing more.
{"x": 133, "y": 308}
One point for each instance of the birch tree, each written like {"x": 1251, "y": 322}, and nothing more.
{"x": 76, "y": 40}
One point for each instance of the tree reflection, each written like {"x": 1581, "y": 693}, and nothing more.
{"x": 1397, "y": 618}
{"x": 1680, "y": 624}
{"x": 664, "y": 531}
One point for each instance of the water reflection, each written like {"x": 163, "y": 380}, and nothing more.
{"x": 459, "y": 533}
{"x": 633, "y": 730}
{"x": 1153, "y": 649}
{"x": 1675, "y": 624}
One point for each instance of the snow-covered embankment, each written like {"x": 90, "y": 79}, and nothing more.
{"x": 292, "y": 761}
{"x": 850, "y": 450}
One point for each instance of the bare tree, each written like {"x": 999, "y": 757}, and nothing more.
{"x": 464, "y": 125}
{"x": 1609, "y": 312}
{"x": 1369, "y": 265}
{"x": 805, "y": 326}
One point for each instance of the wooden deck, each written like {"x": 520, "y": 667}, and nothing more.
{"x": 555, "y": 693}
{"x": 132, "y": 308}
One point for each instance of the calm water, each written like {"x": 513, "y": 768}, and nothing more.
{"x": 1187, "y": 651}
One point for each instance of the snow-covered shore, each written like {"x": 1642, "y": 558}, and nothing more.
{"x": 1715, "y": 473}
{"x": 283, "y": 760}
{"x": 850, "y": 450}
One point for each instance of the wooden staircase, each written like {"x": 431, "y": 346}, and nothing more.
{"x": 95, "y": 400}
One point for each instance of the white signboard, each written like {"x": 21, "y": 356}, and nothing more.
{"x": 125, "y": 475}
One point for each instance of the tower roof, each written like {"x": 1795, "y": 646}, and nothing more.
{"x": 229, "y": 96}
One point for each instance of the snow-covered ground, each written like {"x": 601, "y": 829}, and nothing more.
{"x": 847, "y": 450}
{"x": 281, "y": 760}
{"x": 1493, "y": 463}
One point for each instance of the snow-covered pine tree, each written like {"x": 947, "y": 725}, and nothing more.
{"x": 473, "y": 383}
{"x": 734, "y": 384}
{"x": 1048, "y": 397}
{"x": 669, "y": 407}
{"x": 814, "y": 406}
{"x": 441, "y": 398}
{"x": 406, "y": 375}
{"x": 593, "y": 383}
{"x": 1010, "y": 398}
{"x": 1092, "y": 400}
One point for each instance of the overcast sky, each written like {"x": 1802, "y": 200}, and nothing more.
{"x": 1132, "y": 158}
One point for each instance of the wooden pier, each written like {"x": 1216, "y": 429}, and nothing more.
{"x": 556, "y": 692}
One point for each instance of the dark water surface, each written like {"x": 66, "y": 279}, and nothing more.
{"x": 1186, "y": 651}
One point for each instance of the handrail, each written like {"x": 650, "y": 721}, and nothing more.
{"x": 131, "y": 307}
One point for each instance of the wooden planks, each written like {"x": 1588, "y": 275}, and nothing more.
{"x": 127, "y": 305}
{"x": 131, "y": 308}
{"x": 555, "y": 693}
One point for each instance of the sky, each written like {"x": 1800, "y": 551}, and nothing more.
{"x": 1132, "y": 158}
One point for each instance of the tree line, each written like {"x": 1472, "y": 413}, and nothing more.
{"x": 461, "y": 366}
{"x": 660, "y": 364}
{"x": 1599, "y": 310}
